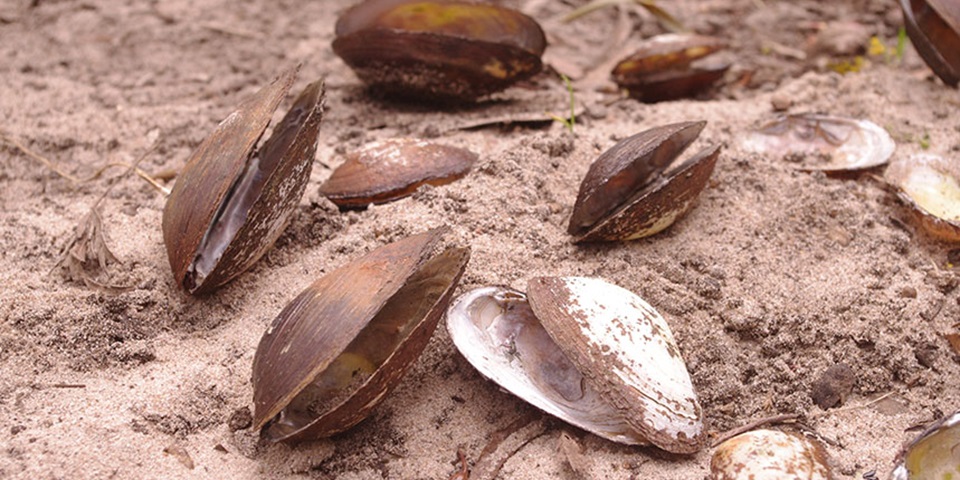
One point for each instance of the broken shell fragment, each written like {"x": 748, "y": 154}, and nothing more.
{"x": 770, "y": 455}
{"x": 345, "y": 342}
{"x": 930, "y": 185}
{"x": 438, "y": 49}
{"x": 671, "y": 66}
{"x": 934, "y": 455}
{"x": 637, "y": 188}
{"x": 934, "y": 29}
{"x": 821, "y": 142}
{"x": 391, "y": 169}
{"x": 232, "y": 200}
{"x": 586, "y": 351}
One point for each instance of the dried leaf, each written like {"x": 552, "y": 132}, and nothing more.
{"x": 569, "y": 448}
{"x": 86, "y": 256}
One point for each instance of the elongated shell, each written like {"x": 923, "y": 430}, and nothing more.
{"x": 231, "y": 202}
{"x": 930, "y": 186}
{"x": 586, "y": 351}
{"x": 934, "y": 454}
{"x": 392, "y": 169}
{"x": 636, "y": 189}
{"x": 337, "y": 349}
{"x": 438, "y": 49}
{"x": 934, "y": 28}
{"x": 821, "y": 142}
{"x": 770, "y": 455}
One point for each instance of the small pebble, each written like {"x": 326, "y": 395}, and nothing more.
{"x": 833, "y": 386}
{"x": 241, "y": 419}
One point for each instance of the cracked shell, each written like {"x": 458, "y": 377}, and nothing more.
{"x": 438, "y": 49}
{"x": 391, "y": 169}
{"x": 770, "y": 455}
{"x": 586, "y": 351}
{"x": 671, "y": 66}
{"x": 934, "y": 29}
{"x": 337, "y": 349}
{"x": 930, "y": 186}
{"x": 934, "y": 454}
{"x": 232, "y": 200}
{"x": 638, "y": 187}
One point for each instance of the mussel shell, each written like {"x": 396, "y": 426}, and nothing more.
{"x": 318, "y": 325}
{"x": 848, "y": 144}
{"x": 934, "y": 454}
{"x": 663, "y": 67}
{"x": 770, "y": 455}
{"x": 387, "y": 170}
{"x": 930, "y": 186}
{"x": 438, "y": 49}
{"x": 495, "y": 329}
{"x": 215, "y": 168}
{"x": 934, "y": 28}
{"x": 586, "y": 351}
{"x": 625, "y": 346}
{"x": 629, "y": 193}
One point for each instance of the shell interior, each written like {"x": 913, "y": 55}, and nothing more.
{"x": 820, "y": 142}
{"x": 934, "y": 455}
{"x": 394, "y": 168}
{"x": 931, "y": 186}
{"x": 769, "y": 455}
{"x": 625, "y": 347}
{"x": 497, "y": 332}
{"x": 626, "y": 168}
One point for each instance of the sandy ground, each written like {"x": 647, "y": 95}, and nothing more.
{"x": 775, "y": 276}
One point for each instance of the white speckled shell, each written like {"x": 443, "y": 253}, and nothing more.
{"x": 769, "y": 455}
{"x": 636, "y": 388}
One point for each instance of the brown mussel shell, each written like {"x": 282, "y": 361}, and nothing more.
{"x": 215, "y": 171}
{"x": 441, "y": 50}
{"x": 934, "y": 28}
{"x": 391, "y": 169}
{"x": 381, "y": 308}
{"x": 631, "y": 192}
{"x": 668, "y": 67}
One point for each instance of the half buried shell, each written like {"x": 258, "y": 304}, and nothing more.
{"x": 586, "y": 351}
{"x": 391, "y": 169}
{"x": 345, "y": 342}
{"x": 637, "y": 188}
{"x": 671, "y": 66}
{"x": 934, "y": 454}
{"x": 232, "y": 201}
{"x": 930, "y": 185}
{"x": 770, "y": 455}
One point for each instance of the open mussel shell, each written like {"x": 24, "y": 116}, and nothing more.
{"x": 346, "y": 341}
{"x": 586, "y": 351}
{"x": 930, "y": 186}
{"x": 232, "y": 200}
{"x": 822, "y": 142}
{"x": 934, "y": 28}
{"x": 671, "y": 66}
{"x": 390, "y": 169}
{"x": 770, "y": 455}
{"x": 637, "y": 188}
{"x": 934, "y": 454}
{"x": 438, "y": 49}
